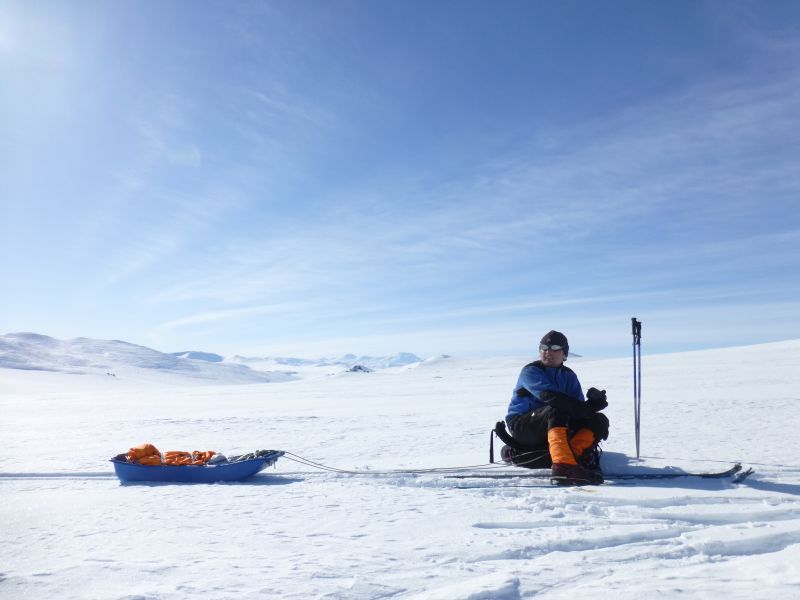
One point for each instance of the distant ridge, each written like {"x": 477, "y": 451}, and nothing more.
{"x": 206, "y": 356}
{"x": 36, "y": 352}
{"x": 348, "y": 361}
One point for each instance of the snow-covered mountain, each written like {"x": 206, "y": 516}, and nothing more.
{"x": 347, "y": 361}
{"x": 35, "y": 352}
{"x": 195, "y": 355}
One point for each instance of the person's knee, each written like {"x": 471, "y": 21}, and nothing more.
{"x": 599, "y": 425}
{"x": 555, "y": 417}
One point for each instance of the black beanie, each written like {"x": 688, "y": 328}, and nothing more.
{"x": 556, "y": 337}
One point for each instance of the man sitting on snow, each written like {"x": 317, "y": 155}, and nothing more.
{"x": 548, "y": 409}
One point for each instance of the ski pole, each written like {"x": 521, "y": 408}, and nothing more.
{"x": 636, "y": 327}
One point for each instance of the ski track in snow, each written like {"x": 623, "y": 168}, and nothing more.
{"x": 71, "y": 530}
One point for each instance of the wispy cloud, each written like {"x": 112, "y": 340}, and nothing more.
{"x": 230, "y": 315}
{"x": 280, "y": 176}
{"x": 688, "y": 161}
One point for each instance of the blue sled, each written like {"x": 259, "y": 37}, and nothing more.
{"x": 234, "y": 471}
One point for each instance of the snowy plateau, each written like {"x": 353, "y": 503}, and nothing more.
{"x": 388, "y": 528}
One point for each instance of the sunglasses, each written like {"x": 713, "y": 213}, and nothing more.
{"x": 551, "y": 347}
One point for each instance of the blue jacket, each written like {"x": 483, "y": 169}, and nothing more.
{"x": 536, "y": 378}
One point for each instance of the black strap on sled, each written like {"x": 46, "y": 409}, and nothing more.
{"x": 501, "y": 432}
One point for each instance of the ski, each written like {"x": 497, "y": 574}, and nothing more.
{"x": 712, "y": 475}
{"x": 573, "y": 481}
{"x": 615, "y": 476}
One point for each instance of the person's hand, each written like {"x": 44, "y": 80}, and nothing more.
{"x": 596, "y": 400}
{"x": 595, "y": 393}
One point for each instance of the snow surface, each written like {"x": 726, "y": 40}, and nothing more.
{"x": 71, "y": 530}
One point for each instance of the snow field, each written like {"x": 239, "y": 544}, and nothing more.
{"x": 71, "y": 530}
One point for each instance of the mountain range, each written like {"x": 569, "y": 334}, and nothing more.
{"x": 36, "y": 352}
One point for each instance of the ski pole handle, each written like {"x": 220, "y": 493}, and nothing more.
{"x": 636, "y": 328}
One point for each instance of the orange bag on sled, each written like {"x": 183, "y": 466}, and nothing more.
{"x": 146, "y": 454}
{"x": 181, "y": 457}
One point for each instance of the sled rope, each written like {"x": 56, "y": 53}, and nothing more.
{"x": 310, "y": 463}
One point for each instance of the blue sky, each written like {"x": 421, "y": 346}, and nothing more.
{"x": 312, "y": 178}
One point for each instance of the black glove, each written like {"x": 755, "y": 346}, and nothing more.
{"x": 596, "y": 400}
